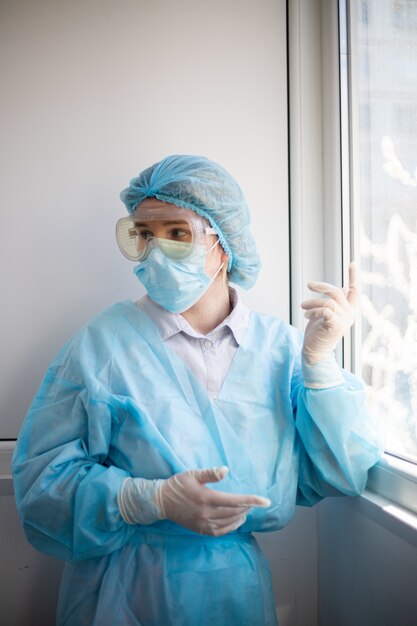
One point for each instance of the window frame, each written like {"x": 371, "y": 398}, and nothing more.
{"x": 393, "y": 478}
{"x": 328, "y": 249}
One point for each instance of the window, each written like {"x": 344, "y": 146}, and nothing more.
{"x": 403, "y": 14}
{"x": 379, "y": 67}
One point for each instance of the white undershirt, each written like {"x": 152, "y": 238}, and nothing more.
{"x": 209, "y": 356}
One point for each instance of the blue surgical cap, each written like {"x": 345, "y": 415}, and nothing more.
{"x": 195, "y": 182}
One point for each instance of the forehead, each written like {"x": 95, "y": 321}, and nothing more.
{"x": 154, "y": 209}
{"x": 154, "y": 203}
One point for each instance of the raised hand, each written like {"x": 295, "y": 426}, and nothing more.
{"x": 328, "y": 318}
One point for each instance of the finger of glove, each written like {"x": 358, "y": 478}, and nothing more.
{"x": 329, "y": 309}
{"x": 322, "y": 313}
{"x": 231, "y": 527}
{"x": 219, "y": 498}
{"x": 183, "y": 487}
{"x": 225, "y": 512}
{"x": 317, "y": 303}
{"x": 224, "y": 530}
{"x": 336, "y": 294}
{"x": 216, "y": 522}
{"x": 209, "y": 475}
{"x": 353, "y": 290}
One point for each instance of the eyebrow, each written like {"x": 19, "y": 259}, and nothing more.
{"x": 167, "y": 223}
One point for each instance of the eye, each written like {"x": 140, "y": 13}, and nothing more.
{"x": 180, "y": 233}
{"x": 143, "y": 234}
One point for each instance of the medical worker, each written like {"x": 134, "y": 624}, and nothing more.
{"x": 168, "y": 430}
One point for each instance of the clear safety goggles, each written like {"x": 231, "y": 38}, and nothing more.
{"x": 175, "y": 232}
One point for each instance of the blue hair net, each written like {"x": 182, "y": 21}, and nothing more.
{"x": 195, "y": 182}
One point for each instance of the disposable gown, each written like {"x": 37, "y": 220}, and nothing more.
{"x": 116, "y": 402}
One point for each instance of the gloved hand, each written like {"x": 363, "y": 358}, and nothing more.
{"x": 329, "y": 319}
{"x": 185, "y": 500}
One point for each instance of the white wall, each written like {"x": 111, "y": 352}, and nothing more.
{"x": 92, "y": 92}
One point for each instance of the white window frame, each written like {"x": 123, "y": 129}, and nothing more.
{"x": 393, "y": 478}
{"x": 322, "y": 194}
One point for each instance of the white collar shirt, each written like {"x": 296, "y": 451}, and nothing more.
{"x": 209, "y": 356}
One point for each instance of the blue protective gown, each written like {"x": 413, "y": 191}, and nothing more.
{"x": 116, "y": 402}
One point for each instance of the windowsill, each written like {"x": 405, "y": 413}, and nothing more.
{"x": 397, "y": 520}
{"x": 390, "y": 498}
{"x": 395, "y": 480}
{"x": 6, "y": 452}
{"x": 6, "y": 482}
{"x": 6, "y": 485}
{"x": 391, "y": 508}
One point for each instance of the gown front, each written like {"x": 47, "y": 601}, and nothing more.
{"x": 117, "y": 402}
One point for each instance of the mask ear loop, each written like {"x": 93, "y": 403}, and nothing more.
{"x": 212, "y": 278}
{"x": 217, "y": 271}
{"x": 213, "y": 246}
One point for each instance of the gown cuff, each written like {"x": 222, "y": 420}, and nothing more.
{"x": 323, "y": 374}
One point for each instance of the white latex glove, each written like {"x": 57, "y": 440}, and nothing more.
{"x": 330, "y": 318}
{"x": 185, "y": 500}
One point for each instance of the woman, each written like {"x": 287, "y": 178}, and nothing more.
{"x": 168, "y": 430}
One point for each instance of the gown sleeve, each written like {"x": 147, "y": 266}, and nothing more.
{"x": 338, "y": 439}
{"x": 66, "y": 494}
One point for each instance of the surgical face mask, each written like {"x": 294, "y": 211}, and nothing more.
{"x": 175, "y": 284}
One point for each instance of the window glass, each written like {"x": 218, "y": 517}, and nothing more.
{"x": 382, "y": 52}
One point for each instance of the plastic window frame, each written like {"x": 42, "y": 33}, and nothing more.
{"x": 394, "y": 478}
{"x": 323, "y": 195}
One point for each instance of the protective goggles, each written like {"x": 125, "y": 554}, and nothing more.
{"x": 175, "y": 232}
